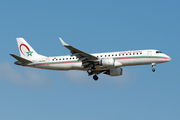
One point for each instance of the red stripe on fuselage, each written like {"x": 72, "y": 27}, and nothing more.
{"x": 144, "y": 57}
{"x": 57, "y": 63}
{"x": 115, "y": 59}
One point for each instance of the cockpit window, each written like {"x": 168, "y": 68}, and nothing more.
{"x": 158, "y": 52}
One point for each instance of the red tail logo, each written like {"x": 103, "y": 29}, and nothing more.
{"x": 29, "y": 53}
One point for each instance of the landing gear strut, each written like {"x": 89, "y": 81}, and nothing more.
{"x": 91, "y": 72}
{"x": 95, "y": 77}
{"x": 91, "y": 67}
{"x": 153, "y": 65}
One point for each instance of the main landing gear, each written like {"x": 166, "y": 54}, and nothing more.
{"x": 153, "y": 65}
{"x": 95, "y": 77}
{"x": 90, "y": 72}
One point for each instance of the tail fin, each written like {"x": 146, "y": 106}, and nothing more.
{"x": 26, "y": 51}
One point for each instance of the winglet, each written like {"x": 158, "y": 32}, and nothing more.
{"x": 65, "y": 44}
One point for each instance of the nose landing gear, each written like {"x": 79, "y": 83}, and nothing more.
{"x": 153, "y": 65}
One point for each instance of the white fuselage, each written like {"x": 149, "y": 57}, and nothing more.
{"x": 126, "y": 58}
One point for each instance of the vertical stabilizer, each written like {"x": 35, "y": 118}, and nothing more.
{"x": 26, "y": 51}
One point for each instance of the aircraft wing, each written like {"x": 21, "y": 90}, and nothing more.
{"x": 78, "y": 53}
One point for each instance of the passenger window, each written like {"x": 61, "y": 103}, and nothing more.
{"x": 112, "y": 55}
{"x": 129, "y": 53}
{"x": 133, "y": 53}
{"x": 126, "y": 54}
{"x": 123, "y": 54}
{"x": 52, "y": 59}
{"x": 137, "y": 53}
{"x": 109, "y": 55}
{"x": 63, "y": 58}
{"x": 119, "y": 54}
{"x": 105, "y": 56}
{"x": 116, "y": 54}
{"x": 141, "y": 53}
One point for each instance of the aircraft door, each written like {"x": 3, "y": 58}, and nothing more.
{"x": 149, "y": 53}
{"x": 48, "y": 61}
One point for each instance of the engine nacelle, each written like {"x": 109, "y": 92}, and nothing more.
{"x": 107, "y": 62}
{"x": 114, "y": 72}
{"x": 77, "y": 65}
{"x": 110, "y": 62}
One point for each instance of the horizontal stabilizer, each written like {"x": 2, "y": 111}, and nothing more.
{"x": 20, "y": 59}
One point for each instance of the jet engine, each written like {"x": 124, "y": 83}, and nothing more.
{"x": 110, "y": 62}
{"x": 114, "y": 72}
{"x": 77, "y": 65}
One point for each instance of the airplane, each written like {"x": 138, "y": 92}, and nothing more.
{"x": 110, "y": 63}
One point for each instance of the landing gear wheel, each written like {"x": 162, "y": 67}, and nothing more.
{"x": 95, "y": 77}
{"x": 89, "y": 71}
{"x": 153, "y": 65}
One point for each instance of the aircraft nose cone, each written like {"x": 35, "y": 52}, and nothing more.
{"x": 168, "y": 58}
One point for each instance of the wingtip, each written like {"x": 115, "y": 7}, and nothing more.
{"x": 10, "y": 54}
{"x": 62, "y": 41}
